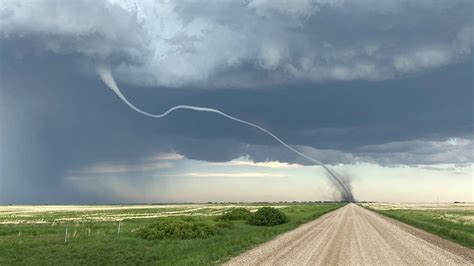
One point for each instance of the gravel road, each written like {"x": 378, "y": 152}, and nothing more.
{"x": 353, "y": 235}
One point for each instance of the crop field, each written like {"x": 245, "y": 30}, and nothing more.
{"x": 47, "y": 214}
{"x": 138, "y": 234}
{"x": 452, "y": 221}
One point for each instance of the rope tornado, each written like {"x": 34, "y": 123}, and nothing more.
{"x": 107, "y": 77}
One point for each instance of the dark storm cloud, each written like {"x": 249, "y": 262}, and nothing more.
{"x": 205, "y": 44}
{"x": 391, "y": 84}
{"x": 57, "y": 121}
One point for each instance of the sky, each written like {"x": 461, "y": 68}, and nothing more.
{"x": 379, "y": 91}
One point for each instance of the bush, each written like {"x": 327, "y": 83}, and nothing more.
{"x": 235, "y": 214}
{"x": 177, "y": 229}
{"x": 267, "y": 216}
{"x": 225, "y": 224}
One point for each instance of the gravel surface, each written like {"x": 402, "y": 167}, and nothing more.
{"x": 353, "y": 235}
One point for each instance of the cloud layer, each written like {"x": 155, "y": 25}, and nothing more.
{"x": 242, "y": 180}
{"x": 246, "y": 43}
{"x": 365, "y": 86}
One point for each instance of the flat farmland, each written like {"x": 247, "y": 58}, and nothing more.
{"x": 78, "y": 214}
{"x": 110, "y": 234}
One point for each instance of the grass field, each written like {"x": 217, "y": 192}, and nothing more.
{"x": 452, "y": 221}
{"x": 108, "y": 234}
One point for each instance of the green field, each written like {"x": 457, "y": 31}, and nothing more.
{"x": 108, "y": 234}
{"x": 454, "y": 221}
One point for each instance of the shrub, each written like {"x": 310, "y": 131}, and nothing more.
{"x": 235, "y": 214}
{"x": 267, "y": 216}
{"x": 224, "y": 224}
{"x": 177, "y": 229}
